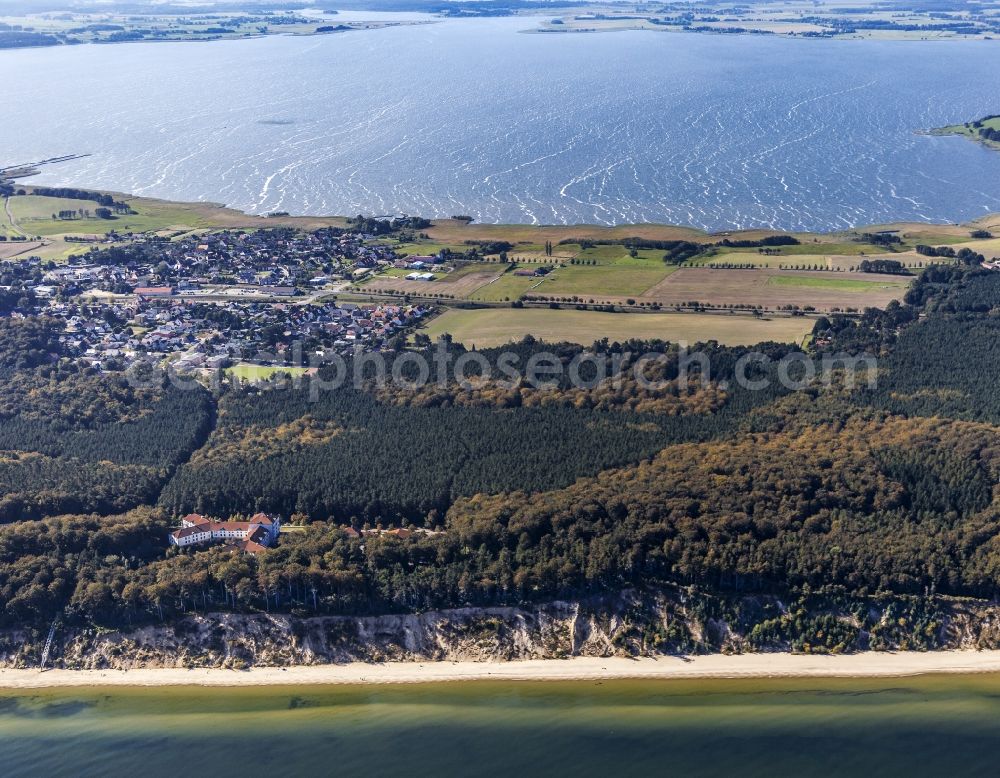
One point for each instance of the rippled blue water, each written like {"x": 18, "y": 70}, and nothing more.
{"x": 473, "y": 117}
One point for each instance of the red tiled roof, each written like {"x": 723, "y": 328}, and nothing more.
{"x": 231, "y": 526}
{"x": 154, "y": 290}
{"x": 255, "y": 531}
{"x": 188, "y": 531}
{"x": 249, "y": 546}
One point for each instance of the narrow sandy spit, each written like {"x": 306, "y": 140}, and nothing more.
{"x": 579, "y": 668}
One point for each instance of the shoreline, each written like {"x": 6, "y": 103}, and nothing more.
{"x": 721, "y": 666}
{"x": 958, "y": 131}
{"x": 233, "y": 217}
{"x": 374, "y": 24}
{"x": 226, "y": 216}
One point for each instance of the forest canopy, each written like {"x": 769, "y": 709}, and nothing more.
{"x": 833, "y": 491}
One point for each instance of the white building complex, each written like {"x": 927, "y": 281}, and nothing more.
{"x": 251, "y": 536}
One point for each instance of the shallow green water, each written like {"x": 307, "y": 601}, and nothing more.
{"x": 922, "y": 726}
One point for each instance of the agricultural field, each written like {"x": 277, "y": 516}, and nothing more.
{"x": 33, "y": 215}
{"x": 250, "y": 372}
{"x": 461, "y": 282}
{"x": 844, "y": 262}
{"x": 534, "y": 253}
{"x": 819, "y": 257}
{"x": 627, "y": 280}
{"x": 599, "y": 270}
{"x": 487, "y": 327}
{"x": 7, "y": 228}
{"x": 989, "y": 248}
{"x": 153, "y": 215}
{"x": 848, "y": 284}
{"x": 621, "y": 279}
{"x": 36, "y": 208}
{"x": 423, "y": 248}
{"x": 12, "y": 249}
{"x": 614, "y": 273}
{"x": 402, "y": 272}
{"x": 610, "y": 255}
{"x": 604, "y": 255}
{"x": 817, "y": 247}
{"x": 751, "y": 257}
{"x": 772, "y": 288}
{"x": 56, "y": 249}
{"x": 506, "y": 288}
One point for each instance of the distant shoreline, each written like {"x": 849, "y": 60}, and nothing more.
{"x": 358, "y": 26}
{"x": 721, "y": 666}
{"x": 225, "y": 216}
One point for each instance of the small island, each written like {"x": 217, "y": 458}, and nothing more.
{"x": 985, "y": 130}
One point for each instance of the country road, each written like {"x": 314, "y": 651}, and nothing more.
{"x": 10, "y": 217}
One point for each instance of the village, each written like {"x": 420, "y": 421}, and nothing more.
{"x": 211, "y": 301}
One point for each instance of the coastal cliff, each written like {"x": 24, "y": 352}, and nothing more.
{"x": 631, "y": 624}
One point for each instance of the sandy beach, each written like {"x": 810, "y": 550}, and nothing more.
{"x": 872, "y": 664}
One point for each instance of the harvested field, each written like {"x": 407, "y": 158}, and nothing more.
{"x": 459, "y": 283}
{"x": 755, "y": 287}
{"x": 988, "y": 248}
{"x": 486, "y": 327}
{"x": 603, "y": 279}
{"x": 846, "y": 262}
{"x": 11, "y": 249}
{"x": 506, "y": 288}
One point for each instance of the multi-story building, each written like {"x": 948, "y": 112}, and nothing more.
{"x": 253, "y": 536}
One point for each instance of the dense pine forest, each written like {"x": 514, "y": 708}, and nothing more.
{"x": 357, "y": 455}
{"x": 826, "y": 498}
{"x": 74, "y": 440}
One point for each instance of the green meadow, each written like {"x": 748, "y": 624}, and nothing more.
{"x": 619, "y": 280}
{"x": 250, "y": 372}
{"x": 847, "y": 284}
